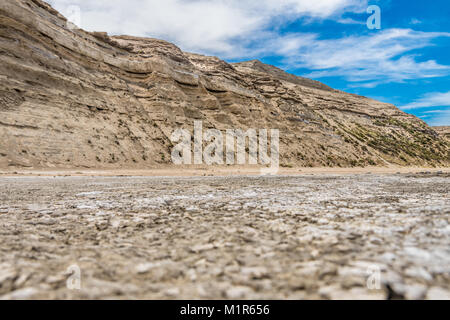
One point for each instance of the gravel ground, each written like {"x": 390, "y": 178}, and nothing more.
{"x": 294, "y": 237}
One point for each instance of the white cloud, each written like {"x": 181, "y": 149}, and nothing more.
{"x": 436, "y": 99}
{"x": 438, "y": 102}
{"x": 206, "y": 26}
{"x": 242, "y": 29}
{"x": 351, "y": 21}
{"x": 368, "y": 59}
{"x": 439, "y": 118}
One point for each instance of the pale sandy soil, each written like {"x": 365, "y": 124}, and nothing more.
{"x": 186, "y": 171}
{"x": 327, "y": 236}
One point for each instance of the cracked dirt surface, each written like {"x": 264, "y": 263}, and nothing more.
{"x": 294, "y": 237}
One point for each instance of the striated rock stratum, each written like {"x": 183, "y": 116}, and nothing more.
{"x": 70, "y": 98}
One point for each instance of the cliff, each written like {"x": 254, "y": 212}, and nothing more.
{"x": 70, "y": 98}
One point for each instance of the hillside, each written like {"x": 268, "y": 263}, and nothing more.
{"x": 70, "y": 98}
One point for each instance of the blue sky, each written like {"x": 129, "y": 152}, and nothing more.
{"x": 406, "y": 62}
{"x": 425, "y": 94}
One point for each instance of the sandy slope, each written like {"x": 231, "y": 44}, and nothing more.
{"x": 186, "y": 171}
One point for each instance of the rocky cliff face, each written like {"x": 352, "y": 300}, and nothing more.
{"x": 70, "y": 98}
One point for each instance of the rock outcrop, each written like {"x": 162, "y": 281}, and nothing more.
{"x": 70, "y": 98}
{"x": 443, "y": 131}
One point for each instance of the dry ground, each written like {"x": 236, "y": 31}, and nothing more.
{"x": 305, "y": 236}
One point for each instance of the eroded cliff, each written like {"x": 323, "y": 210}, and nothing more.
{"x": 70, "y": 98}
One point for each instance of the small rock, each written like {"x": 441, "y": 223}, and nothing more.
{"x": 202, "y": 247}
{"x": 58, "y": 279}
{"x": 47, "y": 221}
{"x": 239, "y": 292}
{"x": 254, "y": 272}
{"x": 418, "y": 273}
{"x": 376, "y": 241}
{"x": 7, "y": 274}
{"x": 21, "y": 294}
{"x": 145, "y": 267}
{"x": 415, "y": 292}
{"x": 21, "y": 280}
{"x": 388, "y": 257}
{"x": 418, "y": 253}
{"x": 437, "y": 293}
{"x": 173, "y": 292}
{"x": 115, "y": 223}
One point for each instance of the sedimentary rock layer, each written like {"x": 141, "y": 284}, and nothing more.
{"x": 70, "y": 98}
